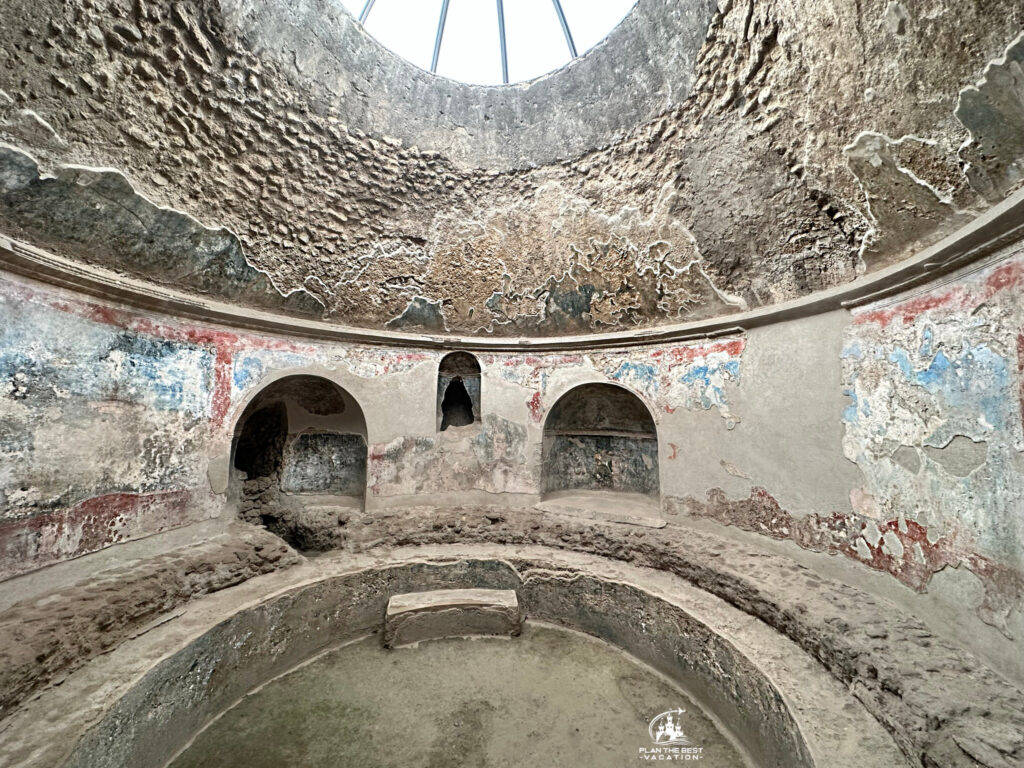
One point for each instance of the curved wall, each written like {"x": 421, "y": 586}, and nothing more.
{"x": 890, "y": 436}
{"x": 592, "y": 102}
{"x": 253, "y": 646}
{"x": 755, "y": 682}
{"x": 776, "y": 156}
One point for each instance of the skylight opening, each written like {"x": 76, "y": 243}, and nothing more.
{"x": 489, "y": 42}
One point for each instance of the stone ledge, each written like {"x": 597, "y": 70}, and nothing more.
{"x": 48, "y": 636}
{"x": 225, "y": 644}
{"x": 417, "y": 616}
{"x": 941, "y": 704}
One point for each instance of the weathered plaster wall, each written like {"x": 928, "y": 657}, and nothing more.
{"x": 102, "y": 427}
{"x": 935, "y": 424}
{"x": 891, "y": 437}
{"x": 802, "y": 145}
{"x": 931, "y": 426}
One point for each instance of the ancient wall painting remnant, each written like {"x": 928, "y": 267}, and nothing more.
{"x": 326, "y": 463}
{"x": 300, "y": 435}
{"x": 904, "y": 548}
{"x": 600, "y": 437}
{"x": 697, "y": 376}
{"x": 494, "y": 459}
{"x": 937, "y": 374}
{"x": 934, "y": 423}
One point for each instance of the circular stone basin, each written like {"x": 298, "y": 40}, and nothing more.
{"x": 292, "y": 649}
{"x": 550, "y": 697}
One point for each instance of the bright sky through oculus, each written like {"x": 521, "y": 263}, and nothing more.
{"x": 470, "y": 49}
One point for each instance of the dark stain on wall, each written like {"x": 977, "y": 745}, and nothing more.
{"x": 600, "y": 437}
{"x": 994, "y": 112}
{"x": 601, "y": 463}
{"x": 258, "y": 452}
{"x": 323, "y": 462}
{"x": 98, "y": 216}
{"x": 420, "y": 314}
{"x": 274, "y": 462}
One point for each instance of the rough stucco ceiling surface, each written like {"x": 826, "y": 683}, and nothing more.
{"x": 274, "y": 157}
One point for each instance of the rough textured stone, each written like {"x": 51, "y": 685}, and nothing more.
{"x": 941, "y": 704}
{"x": 45, "y": 638}
{"x": 784, "y": 157}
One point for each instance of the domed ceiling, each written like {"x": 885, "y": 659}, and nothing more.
{"x": 705, "y": 160}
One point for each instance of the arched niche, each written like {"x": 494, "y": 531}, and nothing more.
{"x": 458, "y": 391}
{"x": 600, "y": 438}
{"x": 299, "y": 445}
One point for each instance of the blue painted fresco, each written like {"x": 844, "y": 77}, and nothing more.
{"x": 248, "y": 369}
{"x": 709, "y": 379}
{"x": 47, "y": 355}
{"x": 977, "y": 378}
{"x": 642, "y": 377}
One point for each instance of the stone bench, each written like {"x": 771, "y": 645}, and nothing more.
{"x": 417, "y": 616}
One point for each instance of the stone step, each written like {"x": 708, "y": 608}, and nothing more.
{"x": 417, "y": 616}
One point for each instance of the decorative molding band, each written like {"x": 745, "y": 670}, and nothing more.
{"x": 996, "y": 228}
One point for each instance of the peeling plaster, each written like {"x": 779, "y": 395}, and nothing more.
{"x": 693, "y": 377}
{"x": 938, "y": 376}
{"x": 736, "y": 195}
{"x": 900, "y": 547}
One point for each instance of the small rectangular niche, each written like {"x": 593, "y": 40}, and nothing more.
{"x": 458, "y": 391}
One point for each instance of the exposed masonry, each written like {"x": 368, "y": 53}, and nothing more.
{"x": 739, "y": 195}
{"x": 901, "y": 547}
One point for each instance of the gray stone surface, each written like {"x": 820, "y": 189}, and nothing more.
{"x": 45, "y": 637}
{"x": 324, "y": 462}
{"x": 552, "y": 697}
{"x": 417, "y": 616}
{"x": 913, "y": 681}
{"x": 787, "y": 709}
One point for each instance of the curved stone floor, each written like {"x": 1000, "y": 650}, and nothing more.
{"x": 548, "y": 697}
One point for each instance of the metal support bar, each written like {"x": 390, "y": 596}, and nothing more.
{"x": 365, "y": 12}
{"x": 440, "y": 34}
{"x": 501, "y": 37}
{"x": 565, "y": 28}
